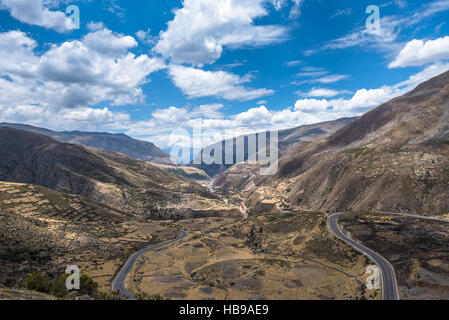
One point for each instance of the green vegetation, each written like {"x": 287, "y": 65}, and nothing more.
{"x": 57, "y": 287}
{"x": 144, "y": 296}
{"x": 287, "y": 215}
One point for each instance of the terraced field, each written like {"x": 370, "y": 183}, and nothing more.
{"x": 30, "y": 200}
{"x": 45, "y": 231}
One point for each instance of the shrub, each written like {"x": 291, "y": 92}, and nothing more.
{"x": 88, "y": 286}
{"x": 37, "y": 282}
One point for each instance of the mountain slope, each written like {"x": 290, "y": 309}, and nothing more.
{"x": 137, "y": 149}
{"x": 42, "y": 230}
{"x": 287, "y": 139}
{"x": 108, "y": 177}
{"x": 394, "y": 158}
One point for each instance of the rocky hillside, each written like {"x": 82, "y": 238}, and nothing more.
{"x": 394, "y": 158}
{"x": 107, "y": 177}
{"x": 44, "y": 231}
{"x": 288, "y": 139}
{"x": 137, "y": 149}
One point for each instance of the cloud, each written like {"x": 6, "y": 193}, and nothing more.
{"x": 296, "y": 9}
{"x": 391, "y": 26}
{"x": 108, "y": 43}
{"x": 419, "y": 52}
{"x": 196, "y": 83}
{"x": 73, "y": 75}
{"x": 162, "y": 128}
{"x": 202, "y": 28}
{"x": 113, "y": 7}
{"x": 311, "y": 72}
{"x": 164, "y": 125}
{"x": 322, "y": 92}
{"x": 95, "y": 26}
{"x": 23, "y": 61}
{"x": 401, "y": 3}
{"x": 83, "y": 118}
{"x": 333, "y": 78}
{"x": 145, "y": 37}
{"x": 293, "y": 63}
{"x": 342, "y": 12}
{"x": 382, "y": 38}
{"x": 365, "y": 99}
{"x": 318, "y": 75}
{"x": 34, "y": 12}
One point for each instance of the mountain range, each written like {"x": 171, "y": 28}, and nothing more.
{"x": 65, "y": 203}
{"x": 108, "y": 177}
{"x": 287, "y": 140}
{"x": 394, "y": 158}
{"x": 137, "y": 149}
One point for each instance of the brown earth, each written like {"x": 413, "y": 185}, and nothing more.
{"x": 394, "y": 158}
{"x": 268, "y": 257}
{"x": 417, "y": 249}
{"x": 46, "y": 231}
{"x": 107, "y": 177}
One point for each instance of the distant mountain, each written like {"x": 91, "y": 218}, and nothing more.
{"x": 288, "y": 139}
{"x": 394, "y": 158}
{"x": 108, "y": 177}
{"x": 137, "y": 149}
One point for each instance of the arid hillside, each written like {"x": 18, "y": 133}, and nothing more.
{"x": 416, "y": 248}
{"x": 107, "y": 177}
{"x": 288, "y": 139}
{"x": 45, "y": 231}
{"x": 394, "y": 158}
{"x": 137, "y": 149}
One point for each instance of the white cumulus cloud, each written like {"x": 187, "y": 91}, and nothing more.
{"x": 69, "y": 78}
{"x": 34, "y": 12}
{"x": 419, "y": 52}
{"x": 196, "y": 83}
{"x": 201, "y": 28}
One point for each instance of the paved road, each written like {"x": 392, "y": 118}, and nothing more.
{"x": 390, "y": 289}
{"x": 119, "y": 282}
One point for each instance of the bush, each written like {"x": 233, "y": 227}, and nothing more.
{"x": 88, "y": 286}
{"x": 59, "y": 288}
{"x": 144, "y": 296}
{"x": 114, "y": 295}
{"x": 37, "y": 282}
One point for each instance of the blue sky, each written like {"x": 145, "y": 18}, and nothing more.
{"x": 150, "y": 67}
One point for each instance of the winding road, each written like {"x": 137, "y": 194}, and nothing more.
{"x": 119, "y": 282}
{"x": 390, "y": 289}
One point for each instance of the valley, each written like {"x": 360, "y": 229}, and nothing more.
{"x": 268, "y": 257}
{"x": 198, "y": 232}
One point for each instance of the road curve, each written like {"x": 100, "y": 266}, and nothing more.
{"x": 390, "y": 289}
{"x": 119, "y": 282}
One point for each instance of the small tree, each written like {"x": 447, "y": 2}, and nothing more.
{"x": 88, "y": 286}
{"x": 37, "y": 282}
{"x": 59, "y": 287}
